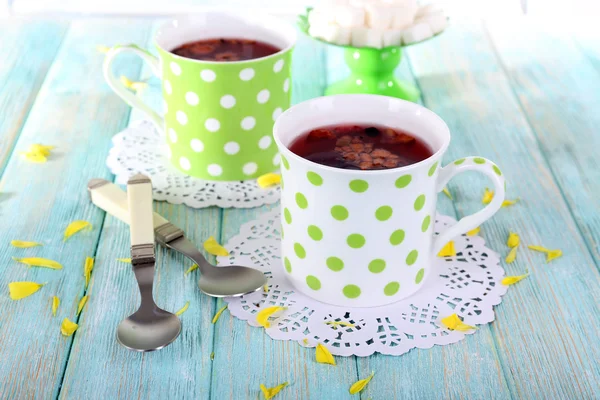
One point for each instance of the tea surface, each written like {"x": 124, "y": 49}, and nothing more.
{"x": 224, "y": 50}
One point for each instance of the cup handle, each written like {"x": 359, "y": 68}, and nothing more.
{"x": 121, "y": 91}
{"x": 472, "y": 221}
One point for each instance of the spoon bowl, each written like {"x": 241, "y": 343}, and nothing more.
{"x": 148, "y": 330}
{"x": 233, "y": 280}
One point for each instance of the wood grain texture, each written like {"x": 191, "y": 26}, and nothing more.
{"x": 183, "y": 369}
{"x": 545, "y": 323}
{"x": 74, "y": 111}
{"x": 523, "y": 96}
{"x": 28, "y": 49}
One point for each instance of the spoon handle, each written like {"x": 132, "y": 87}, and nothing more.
{"x": 139, "y": 199}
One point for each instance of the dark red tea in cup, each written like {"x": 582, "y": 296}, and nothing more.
{"x": 363, "y": 147}
{"x": 224, "y": 50}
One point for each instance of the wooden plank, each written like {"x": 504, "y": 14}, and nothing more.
{"x": 75, "y": 111}
{"x": 395, "y": 376}
{"x": 28, "y": 48}
{"x": 183, "y": 369}
{"x": 545, "y": 324}
{"x": 559, "y": 91}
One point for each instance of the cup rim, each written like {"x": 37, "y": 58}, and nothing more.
{"x": 283, "y": 28}
{"x": 363, "y": 97}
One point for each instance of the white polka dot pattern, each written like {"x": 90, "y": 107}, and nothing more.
{"x": 175, "y": 68}
{"x": 247, "y": 74}
{"x": 263, "y": 96}
{"x": 215, "y": 170}
{"x": 181, "y": 117}
{"x": 227, "y": 101}
{"x": 250, "y": 168}
{"x": 231, "y": 148}
{"x": 248, "y": 123}
{"x": 185, "y": 163}
{"x": 192, "y": 98}
{"x": 197, "y": 145}
{"x": 264, "y": 142}
{"x": 212, "y": 125}
{"x": 172, "y": 135}
{"x": 208, "y": 75}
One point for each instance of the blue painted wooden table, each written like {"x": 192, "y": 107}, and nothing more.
{"x": 523, "y": 94}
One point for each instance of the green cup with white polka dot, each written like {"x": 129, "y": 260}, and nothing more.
{"x": 218, "y": 116}
{"x": 366, "y": 238}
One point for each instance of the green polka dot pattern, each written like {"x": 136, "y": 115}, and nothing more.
{"x": 432, "y": 169}
{"x": 497, "y": 170}
{"x": 419, "y": 276}
{"x": 377, "y": 266}
{"x": 459, "y": 161}
{"x": 314, "y": 178}
{"x": 355, "y": 240}
{"x": 335, "y": 264}
{"x": 411, "y": 258}
{"x": 339, "y": 212}
{"x": 359, "y": 186}
{"x": 391, "y": 288}
{"x": 419, "y": 202}
{"x": 397, "y": 237}
{"x": 285, "y": 162}
{"x": 425, "y": 223}
{"x": 288, "y": 265}
{"x": 219, "y": 116}
{"x": 313, "y": 282}
{"x": 299, "y": 250}
{"x": 351, "y": 291}
{"x": 315, "y": 232}
{"x": 301, "y": 201}
{"x": 403, "y": 181}
{"x": 478, "y": 160}
{"x": 287, "y": 215}
{"x": 383, "y": 213}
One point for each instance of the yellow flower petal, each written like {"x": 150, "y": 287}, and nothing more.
{"x": 190, "y": 269}
{"x": 81, "y": 304}
{"x": 448, "y": 250}
{"x": 323, "y": 355}
{"x": 512, "y": 255}
{"x": 340, "y": 323}
{"x": 39, "y": 262}
{"x": 269, "y": 179}
{"x": 511, "y": 280}
{"x": 507, "y": 203}
{"x": 23, "y": 244}
{"x": 102, "y": 49}
{"x": 513, "y": 240}
{"x": 34, "y": 158}
{"x": 20, "y": 290}
{"x": 124, "y": 260}
{"x": 447, "y": 193}
{"x": 263, "y": 316}
{"x": 360, "y": 385}
{"x": 129, "y": 84}
{"x": 271, "y": 392}
{"x": 55, "y": 304}
{"x": 488, "y": 195}
{"x": 552, "y": 254}
{"x": 183, "y": 309}
{"x": 454, "y": 323}
{"x": 37, "y": 153}
{"x": 538, "y": 248}
{"x": 474, "y": 232}
{"x": 215, "y": 248}
{"x": 305, "y": 341}
{"x": 218, "y": 314}
{"x": 75, "y": 227}
{"x": 87, "y": 270}
{"x": 212, "y": 356}
{"x": 68, "y": 328}
{"x": 266, "y": 288}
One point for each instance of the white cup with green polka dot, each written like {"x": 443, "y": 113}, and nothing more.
{"x": 219, "y": 116}
{"x": 365, "y": 238}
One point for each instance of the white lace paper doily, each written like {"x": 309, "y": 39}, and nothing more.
{"x": 141, "y": 149}
{"x": 467, "y": 284}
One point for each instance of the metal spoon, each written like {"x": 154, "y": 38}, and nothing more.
{"x": 233, "y": 280}
{"x": 150, "y": 327}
